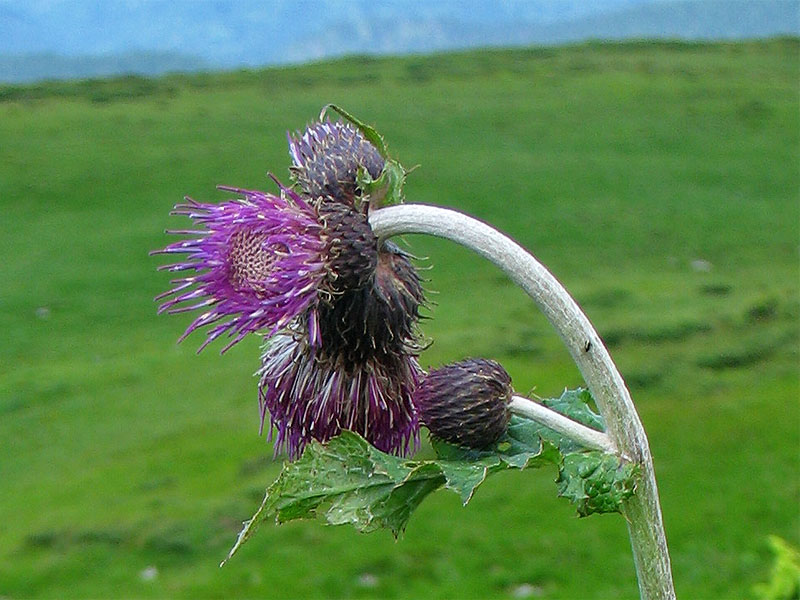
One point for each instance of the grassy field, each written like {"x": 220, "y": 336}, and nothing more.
{"x": 659, "y": 183}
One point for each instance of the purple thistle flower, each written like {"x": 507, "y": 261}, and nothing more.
{"x": 262, "y": 261}
{"x": 304, "y": 268}
{"x": 309, "y": 397}
{"x": 363, "y": 374}
{"x": 326, "y": 158}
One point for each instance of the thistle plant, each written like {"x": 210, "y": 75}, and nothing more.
{"x": 311, "y": 269}
{"x": 304, "y": 269}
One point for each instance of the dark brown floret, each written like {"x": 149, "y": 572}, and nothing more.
{"x": 377, "y": 320}
{"x": 352, "y": 247}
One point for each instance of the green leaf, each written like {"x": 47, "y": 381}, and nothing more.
{"x": 464, "y": 478}
{"x": 577, "y": 405}
{"x": 596, "y": 482}
{"x": 784, "y": 578}
{"x": 520, "y": 447}
{"x": 346, "y": 480}
{"x": 369, "y": 132}
{"x": 388, "y": 187}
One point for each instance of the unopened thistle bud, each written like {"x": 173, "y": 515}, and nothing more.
{"x": 466, "y": 403}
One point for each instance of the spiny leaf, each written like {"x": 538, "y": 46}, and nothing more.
{"x": 387, "y": 189}
{"x": 576, "y": 404}
{"x": 596, "y": 482}
{"x": 520, "y": 447}
{"x": 346, "y": 480}
{"x": 463, "y": 478}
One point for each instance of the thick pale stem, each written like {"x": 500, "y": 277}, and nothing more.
{"x": 586, "y": 436}
{"x": 642, "y": 511}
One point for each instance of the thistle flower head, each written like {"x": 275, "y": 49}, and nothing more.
{"x": 311, "y": 397}
{"x": 327, "y": 157}
{"x": 378, "y": 320}
{"x": 361, "y": 376}
{"x": 259, "y": 262}
{"x": 466, "y": 403}
{"x": 305, "y": 269}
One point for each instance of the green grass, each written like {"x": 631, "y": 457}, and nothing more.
{"x": 617, "y": 165}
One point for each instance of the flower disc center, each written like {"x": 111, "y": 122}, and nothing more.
{"x": 249, "y": 261}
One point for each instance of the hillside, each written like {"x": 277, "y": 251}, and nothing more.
{"x": 658, "y": 181}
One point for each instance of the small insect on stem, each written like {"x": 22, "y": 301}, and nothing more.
{"x": 587, "y": 346}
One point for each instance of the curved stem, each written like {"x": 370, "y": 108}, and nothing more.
{"x": 642, "y": 511}
{"x": 588, "y": 437}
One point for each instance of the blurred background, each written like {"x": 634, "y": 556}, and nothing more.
{"x": 646, "y": 152}
{"x": 84, "y": 38}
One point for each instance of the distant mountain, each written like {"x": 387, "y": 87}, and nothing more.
{"x": 685, "y": 19}
{"x": 235, "y": 32}
{"x": 87, "y": 38}
{"x": 33, "y": 67}
{"x": 690, "y": 20}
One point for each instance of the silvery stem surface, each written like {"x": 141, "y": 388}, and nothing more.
{"x": 588, "y": 437}
{"x": 624, "y": 428}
